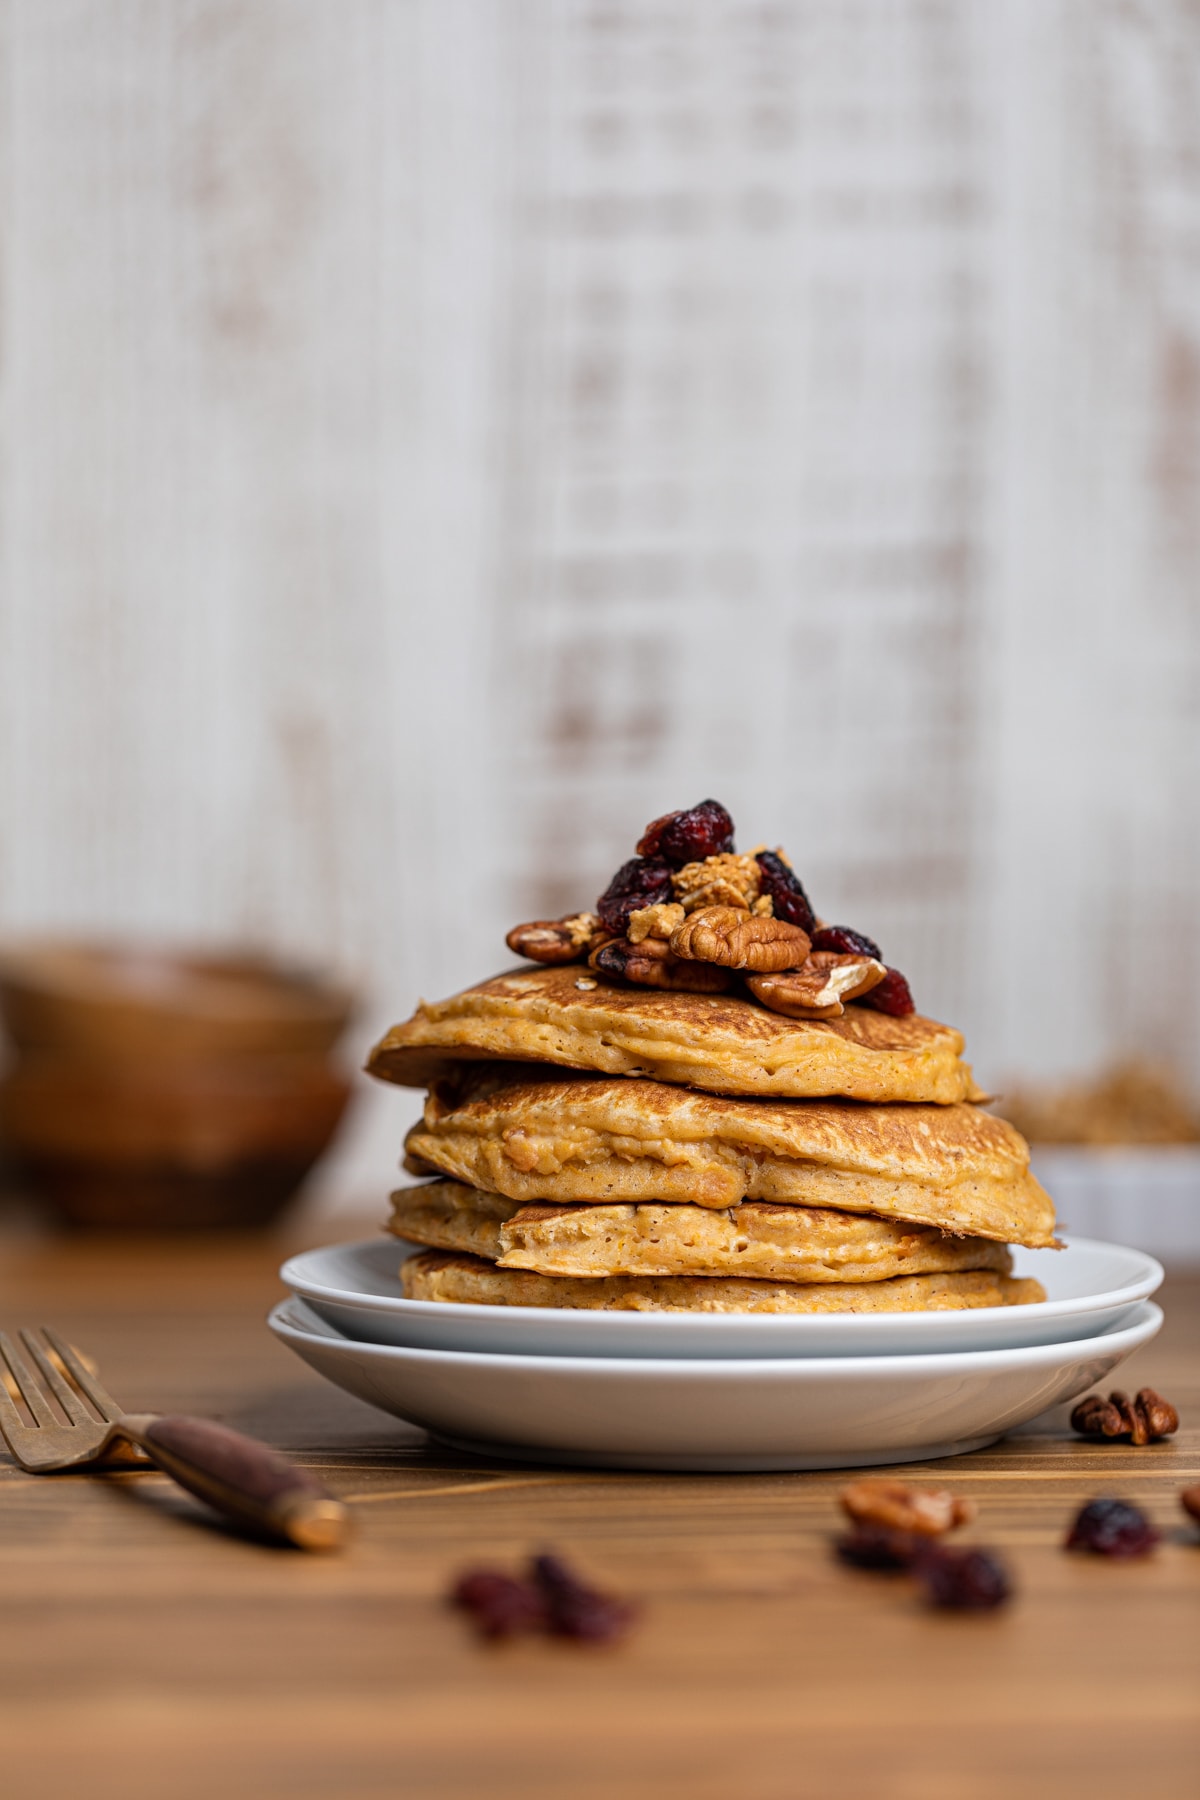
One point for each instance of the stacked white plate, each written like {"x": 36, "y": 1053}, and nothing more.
{"x": 719, "y": 1392}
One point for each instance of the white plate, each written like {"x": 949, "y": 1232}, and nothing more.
{"x": 656, "y": 1413}
{"x": 1092, "y": 1287}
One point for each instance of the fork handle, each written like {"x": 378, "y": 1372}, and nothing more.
{"x": 247, "y": 1481}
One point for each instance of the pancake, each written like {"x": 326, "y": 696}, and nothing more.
{"x": 757, "y": 1240}
{"x": 468, "y": 1281}
{"x": 578, "y": 1139}
{"x": 718, "y": 1042}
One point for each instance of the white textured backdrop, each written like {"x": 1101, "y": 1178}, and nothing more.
{"x": 437, "y": 435}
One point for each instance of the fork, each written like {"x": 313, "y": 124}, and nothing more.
{"x": 248, "y": 1482}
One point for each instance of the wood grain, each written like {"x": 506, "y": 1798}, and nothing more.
{"x": 137, "y": 1640}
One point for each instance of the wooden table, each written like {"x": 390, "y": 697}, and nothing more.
{"x": 146, "y": 1652}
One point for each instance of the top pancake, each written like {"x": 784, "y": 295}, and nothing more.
{"x": 718, "y": 1042}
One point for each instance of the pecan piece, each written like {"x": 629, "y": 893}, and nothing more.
{"x": 817, "y": 990}
{"x": 725, "y": 880}
{"x": 654, "y": 922}
{"x": 927, "y": 1511}
{"x": 556, "y": 940}
{"x": 1190, "y": 1502}
{"x": 739, "y": 940}
{"x": 651, "y": 964}
{"x": 1146, "y": 1417}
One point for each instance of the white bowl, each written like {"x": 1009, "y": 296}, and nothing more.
{"x": 1092, "y": 1288}
{"x": 658, "y": 1413}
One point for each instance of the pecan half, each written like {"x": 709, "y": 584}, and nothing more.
{"x": 724, "y": 880}
{"x": 556, "y": 940}
{"x": 650, "y": 964}
{"x": 818, "y": 989}
{"x": 1189, "y": 1499}
{"x": 926, "y": 1511}
{"x": 654, "y": 922}
{"x": 1146, "y": 1417}
{"x": 739, "y": 940}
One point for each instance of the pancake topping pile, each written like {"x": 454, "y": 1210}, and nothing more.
{"x": 701, "y": 1098}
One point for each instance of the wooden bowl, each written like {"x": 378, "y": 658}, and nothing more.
{"x": 161, "y": 1143}
{"x": 116, "y": 1001}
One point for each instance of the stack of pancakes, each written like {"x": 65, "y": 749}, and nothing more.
{"x": 596, "y": 1145}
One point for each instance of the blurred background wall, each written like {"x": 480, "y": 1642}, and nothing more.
{"x": 438, "y": 435}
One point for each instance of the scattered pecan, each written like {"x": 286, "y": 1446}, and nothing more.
{"x": 777, "y": 878}
{"x": 556, "y": 940}
{"x": 817, "y": 990}
{"x": 739, "y": 940}
{"x": 1146, "y": 1417}
{"x": 892, "y": 995}
{"x": 684, "y": 837}
{"x": 962, "y": 1580}
{"x": 927, "y": 1511}
{"x": 1111, "y": 1528}
{"x": 1190, "y": 1502}
{"x": 651, "y": 964}
{"x": 654, "y": 921}
{"x": 725, "y": 880}
{"x": 642, "y": 881}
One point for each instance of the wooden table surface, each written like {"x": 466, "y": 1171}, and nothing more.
{"x": 145, "y": 1651}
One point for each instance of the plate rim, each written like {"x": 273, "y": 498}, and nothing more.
{"x": 1147, "y": 1322}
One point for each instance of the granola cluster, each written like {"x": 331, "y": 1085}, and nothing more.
{"x": 690, "y": 913}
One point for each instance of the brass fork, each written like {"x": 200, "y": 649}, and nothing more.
{"x": 248, "y": 1482}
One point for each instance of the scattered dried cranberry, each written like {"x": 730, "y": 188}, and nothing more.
{"x": 845, "y": 942}
{"x": 878, "y": 1547}
{"x": 684, "y": 837}
{"x": 500, "y": 1605}
{"x": 791, "y": 902}
{"x": 642, "y": 881}
{"x": 962, "y": 1580}
{"x": 1112, "y": 1528}
{"x": 892, "y": 995}
{"x": 575, "y": 1610}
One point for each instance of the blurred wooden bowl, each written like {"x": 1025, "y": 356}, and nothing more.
{"x": 117, "y": 1001}
{"x": 153, "y": 1144}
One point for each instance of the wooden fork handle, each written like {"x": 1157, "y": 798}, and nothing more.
{"x": 245, "y": 1480}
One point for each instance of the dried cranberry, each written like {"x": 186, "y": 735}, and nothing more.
{"x": 684, "y": 837}
{"x": 791, "y": 901}
{"x": 1112, "y": 1528}
{"x": 642, "y": 881}
{"x": 892, "y": 995}
{"x": 878, "y": 1547}
{"x": 845, "y": 942}
{"x": 576, "y": 1610}
{"x": 499, "y": 1604}
{"x": 962, "y": 1580}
